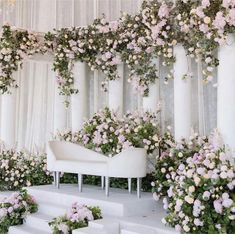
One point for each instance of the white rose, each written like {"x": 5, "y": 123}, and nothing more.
{"x": 163, "y": 170}
{"x": 186, "y": 228}
{"x": 197, "y": 180}
{"x": 180, "y": 155}
{"x": 191, "y": 189}
{"x": 189, "y": 199}
{"x": 223, "y": 175}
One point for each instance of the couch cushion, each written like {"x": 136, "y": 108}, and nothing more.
{"x": 86, "y": 167}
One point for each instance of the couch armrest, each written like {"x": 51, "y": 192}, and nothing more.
{"x": 130, "y": 163}
{"x": 51, "y": 159}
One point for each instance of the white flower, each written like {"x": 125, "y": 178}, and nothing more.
{"x": 189, "y": 199}
{"x": 191, "y": 189}
{"x": 164, "y": 221}
{"x": 186, "y": 228}
{"x": 163, "y": 170}
{"x": 155, "y": 196}
{"x": 197, "y": 180}
{"x": 223, "y": 175}
{"x": 180, "y": 155}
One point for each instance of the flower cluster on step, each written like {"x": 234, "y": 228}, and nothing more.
{"x": 15, "y": 45}
{"x": 20, "y": 168}
{"x": 15, "y": 208}
{"x": 197, "y": 181}
{"x": 109, "y": 134}
{"x": 77, "y": 217}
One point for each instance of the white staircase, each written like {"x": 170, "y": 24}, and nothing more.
{"x": 123, "y": 213}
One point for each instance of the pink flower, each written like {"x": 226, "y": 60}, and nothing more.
{"x": 205, "y": 3}
{"x": 206, "y": 194}
{"x": 204, "y": 28}
{"x": 231, "y": 17}
{"x": 219, "y": 22}
{"x": 218, "y": 206}
{"x": 163, "y": 11}
{"x": 227, "y": 202}
{"x": 227, "y": 3}
{"x": 199, "y": 12}
{"x": 198, "y": 222}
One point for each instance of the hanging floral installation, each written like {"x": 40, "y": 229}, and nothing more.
{"x": 136, "y": 40}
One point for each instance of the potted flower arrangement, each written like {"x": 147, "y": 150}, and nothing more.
{"x": 15, "y": 208}
{"x": 77, "y": 217}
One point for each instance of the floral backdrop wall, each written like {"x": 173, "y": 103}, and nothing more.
{"x": 153, "y": 22}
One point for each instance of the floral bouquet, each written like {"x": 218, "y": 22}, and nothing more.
{"x": 15, "y": 208}
{"x": 77, "y": 217}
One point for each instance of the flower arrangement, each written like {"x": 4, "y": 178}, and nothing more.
{"x": 15, "y": 45}
{"x": 172, "y": 155}
{"x": 77, "y": 217}
{"x": 15, "y": 208}
{"x": 20, "y": 169}
{"x": 200, "y": 189}
{"x": 107, "y": 133}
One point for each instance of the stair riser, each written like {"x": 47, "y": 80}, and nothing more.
{"x": 39, "y": 223}
{"x": 15, "y": 230}
{"x": 112, "y": 227}
{"x": 52, "y": 210}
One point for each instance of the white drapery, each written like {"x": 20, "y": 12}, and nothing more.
{"x": 35, "y": 107}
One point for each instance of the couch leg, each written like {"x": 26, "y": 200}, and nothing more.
{"x": 80, "y": 181}
{"x": 102, "y": 182}
{"x": 54, "y": 178}
{"x": 57, "y": 179}
{"x": 107, "y": 186}
{"x": 129, "y": 185}
{"x": 139, "y": 180}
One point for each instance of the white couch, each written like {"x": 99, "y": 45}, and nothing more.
{"x": 68, "y": 157}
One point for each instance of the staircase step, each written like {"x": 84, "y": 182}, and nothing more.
{"x": 52, "y": 210}
{"x": 91, "y": 230}
{"x": 111, "y": 225}
{"x": 40, "y": 221}
{"x": 119, "y": 203}
{"x": 137, "y": 230}
{"x": 24, "y": 229}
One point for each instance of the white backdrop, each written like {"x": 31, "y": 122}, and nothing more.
{"x": 34, "y": 113}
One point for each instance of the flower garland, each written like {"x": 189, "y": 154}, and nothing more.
{"x": 15, "y": 45}
{"x": 77, "y": 217}
{"x": 137, "y": 40}
{"x": 15, "y": 208}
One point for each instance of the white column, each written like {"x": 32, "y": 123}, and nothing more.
{"x": 226, "y": 94}
{"x": 60, "y": 112}
{"x": 96, "y": 91}
{"x": 116, "y": 92}
{"x": 79, "y": 102}
{"x": 8, "y": 118}
{"x": 182, "y": 95}
{"x": 150, "y": 103}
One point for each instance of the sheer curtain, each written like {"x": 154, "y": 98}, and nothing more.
{"x": 36, "y": 92}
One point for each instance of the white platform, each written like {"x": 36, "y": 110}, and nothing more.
{"x": 123, "y": 213}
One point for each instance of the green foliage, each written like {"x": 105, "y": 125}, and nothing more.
{"x": 15, "y": 208}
